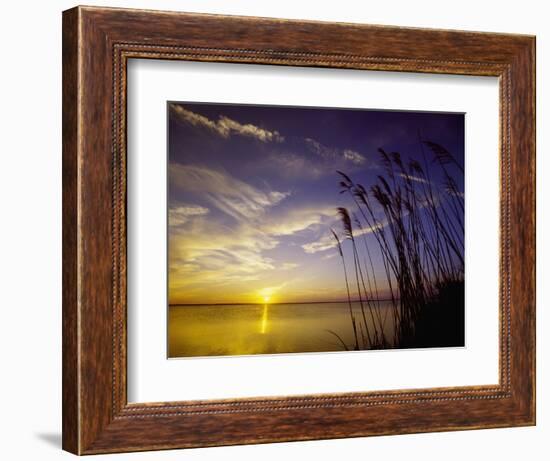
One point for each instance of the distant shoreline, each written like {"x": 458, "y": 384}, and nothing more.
{"x": 274, "y": 304}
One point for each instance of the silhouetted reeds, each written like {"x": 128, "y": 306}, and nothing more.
{"x": 417, "y": 222}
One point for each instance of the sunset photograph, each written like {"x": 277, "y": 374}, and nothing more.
{"x": 306, "y": 229}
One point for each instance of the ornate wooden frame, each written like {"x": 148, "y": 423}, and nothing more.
{"x": 97, "y": 43}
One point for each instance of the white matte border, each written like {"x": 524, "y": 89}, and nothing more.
{"x": 154, "y": 378}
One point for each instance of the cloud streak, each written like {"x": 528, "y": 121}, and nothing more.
{"x": 225, "y": 126}
{"x": 179, "y": 215}
{"x": 326, "y": 242}
{"x": 414, "y": 178}
{"x": 332, "y": 153}
{"x": 204, "y": 253}
{"x": 230, "y": 195}
{"x": 299, "y": 219}
{"x": 208, "y": 250}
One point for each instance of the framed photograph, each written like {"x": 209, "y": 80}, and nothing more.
{"x": 264, "y": 228}
{"x": 280, "y": 230}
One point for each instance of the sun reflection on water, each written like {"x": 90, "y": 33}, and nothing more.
{"x": 262, "y": 328}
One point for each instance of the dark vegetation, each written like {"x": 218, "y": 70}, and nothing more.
{"x": 418, "y": 225}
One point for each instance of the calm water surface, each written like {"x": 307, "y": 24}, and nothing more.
{"x": 262, "y": 329}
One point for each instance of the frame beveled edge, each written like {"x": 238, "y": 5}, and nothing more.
{"x": 97, "y": 43}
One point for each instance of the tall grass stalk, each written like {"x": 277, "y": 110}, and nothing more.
{"x": 418, "y": 228}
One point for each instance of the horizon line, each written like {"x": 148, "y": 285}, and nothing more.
{"x": 278, "y": 303}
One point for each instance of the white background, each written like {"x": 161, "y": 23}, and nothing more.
{"x": 153, "y": 378}
{"x": 30, "y": 243}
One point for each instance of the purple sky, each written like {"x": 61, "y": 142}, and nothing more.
{"x": 253, "y": 192}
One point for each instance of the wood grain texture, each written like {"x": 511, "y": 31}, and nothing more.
{"x": 97, "y": 43}
{"x": 70, "y": 383}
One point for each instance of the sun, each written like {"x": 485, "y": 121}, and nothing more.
{"x": 268, "y": 295}
{"x": 265, "y": 295}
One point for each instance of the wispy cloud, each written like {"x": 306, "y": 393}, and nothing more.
{"x": 332, "y": 153}
{"x": 322, "y": 244}
{"x": 206, "y": 253}
{"x": 307, "y": 158}
{"x": 299, "y": 219}
{"x": 326, "y": 241}
{"x": 205, "y": 248}
{"x": 414, "y": 178}
{"x": 179, "y": 215}
{"x": 225, "y": 126}
{"x": 230, "y": 195}
{"x": 353, "y": 157}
